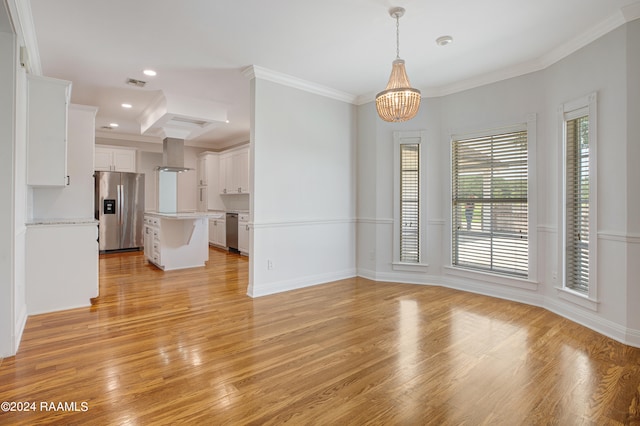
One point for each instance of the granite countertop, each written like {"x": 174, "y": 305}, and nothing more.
{"x": 180, "y": 215}
{"x": 62, "y": 221}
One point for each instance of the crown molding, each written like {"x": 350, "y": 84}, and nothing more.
{"x": 254, "y": 71}
{"x": 560, "y": 52}
{"x": 595, "y": 32}
{"x": 631, "y": 12}
{"x": 127, "y": 137}
{"x": 22, "y": 19}
{"x": 626, "y": 14}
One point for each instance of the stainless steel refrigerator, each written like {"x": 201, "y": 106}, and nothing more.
{"x": 119, "y": 206}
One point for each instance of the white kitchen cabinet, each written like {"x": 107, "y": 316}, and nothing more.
{"x": 76, "y": 199}
{"x": 234, "y": 172}
{"x": 152, "y": 239}
{"x": 218, "y": 232}
{"x": 224, "y": 174}
{"x": 208, "y": 174}
{"x": 243, "y": 233}
{"x": 61, "y": 265}
{"x": 202, "y": 170}
{"x": 241, "y": 170}
{"x": 47, "y": 113}
{"x": 115, "y": 159}
{"x": 203, "y": 197}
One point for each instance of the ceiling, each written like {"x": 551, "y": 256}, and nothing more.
{"x": 199, "y": 48}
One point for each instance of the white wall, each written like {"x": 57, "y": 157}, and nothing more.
{"x": 7, "y": 177}
{"x": 632, "y": 237}
{"x": 303, "y": 196}
{"x": 375, "y": 171}
{"x": 147, "y": 163}
{"x": 506, "y": 103}
{"x": 608, "y": 66}
{"x": 13, "y": 310}
{"x": 188, "y": 181}
{"x": 20, "y": 207}
{"x": 599, "y": 67}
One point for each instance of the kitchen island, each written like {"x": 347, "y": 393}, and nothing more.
{"x": 176, "y": 240}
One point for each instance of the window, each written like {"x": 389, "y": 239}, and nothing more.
{"x": 410, "y": 202}
{"x": 578, "y": 204}
{"x": 490, "y": 203}
{"x": 408, "y": 232}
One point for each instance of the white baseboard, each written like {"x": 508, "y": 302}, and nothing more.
{"x": 571, "y": 312}
{"x": 60, "y": 308}
{"x": 300, "y": 282}
{"x": 21, "y": 323}
{"x": 589, "y": 320}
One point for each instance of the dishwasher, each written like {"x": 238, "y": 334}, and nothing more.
{"x": 232, "y": 232}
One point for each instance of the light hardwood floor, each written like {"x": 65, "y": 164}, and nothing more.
{"x": 189, "y": 347}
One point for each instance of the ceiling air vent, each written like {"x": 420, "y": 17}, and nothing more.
{"x": 136, "y": 83}
{"x": 107, "y": 127}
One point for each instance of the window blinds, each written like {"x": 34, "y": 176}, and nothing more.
{"x": 577, "y": 204}
{"x": 489, "y": 203}
{"x": 410, "y": 203}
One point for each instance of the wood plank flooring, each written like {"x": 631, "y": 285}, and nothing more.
{"x": 189, "y": 347}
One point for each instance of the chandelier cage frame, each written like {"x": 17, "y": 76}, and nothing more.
{"x": 399, "y": 101}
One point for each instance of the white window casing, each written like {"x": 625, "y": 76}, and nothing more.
{"x": 578, "y": 201}
{"x": 408, "y": 226}
{"x": 493, "y": 204}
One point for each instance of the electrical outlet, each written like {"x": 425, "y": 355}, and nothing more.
{"x": 269, "y": 264}
{"x": 554, "y": 277}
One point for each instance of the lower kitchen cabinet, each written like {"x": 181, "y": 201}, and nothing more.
{"x": 218, "y": 232}
{"x": 61, "y": 265}
{"x": 152, "y": 239}
{"x": 243, "y": 233}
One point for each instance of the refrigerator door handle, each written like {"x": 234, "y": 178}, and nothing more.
{"x": 119, "y": 206}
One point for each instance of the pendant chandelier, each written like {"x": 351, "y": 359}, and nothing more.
{"x": 399, "y": 101}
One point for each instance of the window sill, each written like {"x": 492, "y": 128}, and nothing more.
{"x": 577, "y": 298}
{"x": 523, "y": 283}
{"x": 411, "y": 267}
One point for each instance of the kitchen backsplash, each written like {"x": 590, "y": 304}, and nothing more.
{"x": 236, "y": 202}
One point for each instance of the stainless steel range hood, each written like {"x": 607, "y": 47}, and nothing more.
{"x": 173, "y": 156}
{"x": 176, "y": 118}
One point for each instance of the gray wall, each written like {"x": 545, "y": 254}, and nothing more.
{"x": 303, "y": 188}
{"x": 608, "y": 66}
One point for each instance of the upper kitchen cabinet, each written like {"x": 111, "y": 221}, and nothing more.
{"x": 234, "y": 171}
{"x": 115, "y": 159}
{"x": 203, "y": 169}
{"x": 47, "y": 113}
{"x": 208, "y": 175}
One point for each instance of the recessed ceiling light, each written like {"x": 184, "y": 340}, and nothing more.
{"x": 113, "y": 124}
{"x": 150, "y": 73}
{"x": 444, "y": 40}
{"x": 126, "y": 105}
{"x": 226, "y": 121}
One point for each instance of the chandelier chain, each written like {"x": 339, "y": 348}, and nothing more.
{"x": 397, "y": 37}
